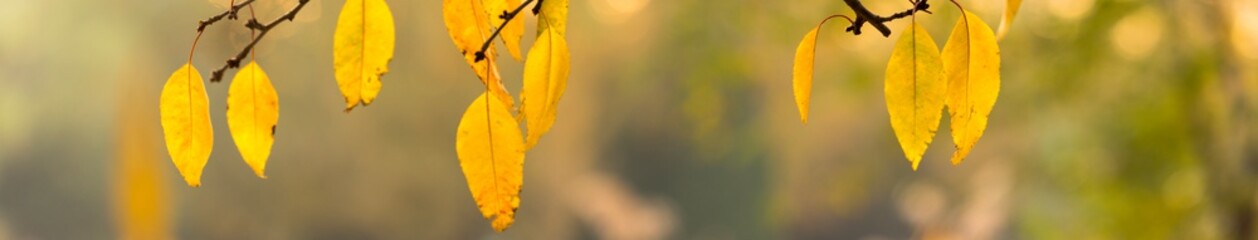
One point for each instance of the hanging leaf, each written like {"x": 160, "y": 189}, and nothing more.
{"x": 971, "y": 60}
{"x": 545, "y": 78}
{"x": 469, "y": 27}
{"x": 186, "y": 123}
{"x": 362, "y": 48}
{"x": 253, "y": 109}
{"x": 491, "y": 152}
{"x": 553, "y": 15}
{"x": 915, "y": 90}
{"x": 1011, "y": 10}
{"x": 514, "y": 31}
{"x": 804, "y": 56}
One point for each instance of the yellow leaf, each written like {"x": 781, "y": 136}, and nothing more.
{"x": 491, "y": 152}
{"x": 915, "y": 90}
{"x": 469, "y": 27}
{"x": 141, "y": 201}
{"x": 186, "y": 122}
{"x": 545, "y": 78}
{"x": 362, "y": 48}
{"x": 1011, "y": 10}
{"x": 804, "y": 56}
{"x": 553, "y": 15}
{"x": 971, "y": 60}
{"x": 514, "y": 31}
{"x": 253, "y": 109}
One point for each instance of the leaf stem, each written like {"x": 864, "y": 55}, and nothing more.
{"x": 507, "y": 17}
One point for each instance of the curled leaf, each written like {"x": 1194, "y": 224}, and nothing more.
{"x": 491, "y": 153}
{"x": 253, "y": 109}
{"x": 805, "y": 54}
{"x": 545, "y": 78}
{"x": 915, "y": 89}
{"x": 186, "y": 123}
{"x": 971, "y": 61}
{"x": 362, "y": 48}
{"x": 1011, "y": 10}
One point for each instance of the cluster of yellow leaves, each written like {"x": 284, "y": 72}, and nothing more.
{"x": 362, "y": 48}
{"x": 490, "y": 143}
{"x": 921, "y": 81}
{"x": 252, "y": 113}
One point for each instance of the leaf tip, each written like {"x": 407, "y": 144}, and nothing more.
{"x": 260, "y": 171}
{"x": 959, "y": 156}
{"x": 502, "y": 222}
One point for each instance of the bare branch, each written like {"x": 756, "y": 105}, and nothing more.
{"x": 253, "y": 23}
{"x": 229, "y": 14}
{"x": 863, "y": 16}
{"x": 507, "y": 17}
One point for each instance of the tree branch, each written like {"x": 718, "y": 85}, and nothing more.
{"x": 863, "y": 16}
{"x": 507, "y": 17}
{"x": 253, "y": 24}
{"x": 229, "y": 14}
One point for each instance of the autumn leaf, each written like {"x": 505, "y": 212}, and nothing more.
{"x": 141, "y": 200}
{"x": 252, "y": 112}
{"x": 514, "y": 31}
{"x": 186, "y": 122}
{"x": 362, "y": 48}
{"x": 805, "y": 54}
{"x": 468, "y": 24}
{"x": 491, "y": 152}
{"x": 1011, "y": 10}
{"x": 545, "y": 78}
{"x": 553, "y": 16}
{"x": 971, "y": 61}
{"x": 915, "y": 90}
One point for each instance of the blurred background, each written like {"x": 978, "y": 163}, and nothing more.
{"x": 1117, "y": 119}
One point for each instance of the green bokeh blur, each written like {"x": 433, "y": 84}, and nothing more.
{"x": 1117, "y": 119}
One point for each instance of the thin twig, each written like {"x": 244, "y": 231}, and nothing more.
{"x": 507, "y": 17}
{"x": 863, "y": 16}
{"x": 229, "y": 14}
{"x": 253, "y": 24}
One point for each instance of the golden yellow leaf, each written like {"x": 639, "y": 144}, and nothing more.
{"x": 1011, "y": 10}
{"x": 186, "y": 122}
{"x": 362, "y": 48}
{"x": 553, "y": 16}
{"x": 469, "y": 27}
{"x": 253, "y": 109}
{"x": 804, "y": 56}
{"x": 491, "y": 152}
{"x": 915, "y": 90}
{"x": 141, "y": 201}
{"x": 545, "y": 78}
{"x": 514, "y": 31}
{"x": 971, "y": 60}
